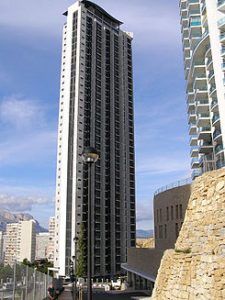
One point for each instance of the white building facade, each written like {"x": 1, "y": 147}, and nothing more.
{"x": 20, "y": 242}
{"x": 51, "y": 240}
{"x": 203, "y": 33}
{"x": 96, "y": 109}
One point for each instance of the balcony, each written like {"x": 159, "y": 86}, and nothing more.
{"x": 215, "y": 119}
{"x": 194, "y": 151}
{"x": 191, "y": 106}
{"x": 222, "y": 36}
{"x": 195, "y": 163}
{"x": 202, "y": 106}
{"x": 216, "y": 134}
{"x": 204, "y": 132}
{"x": 214, "y": 105}
{"x": 211, "y": 74}
{"x": 221, "y": 23}
{"x": 194, "y": 12}
{"x": 212, "y": 90}
{"x": 195, "y": 23}
{"x": 218, "y": 149}
{"x": 203, "y": 120}
{"x": 222, "y": 51}
{"x": 205, "y": 147}
{"x": 220, "y": 164}
{"x": 192, "y": 117}
{"x": 221, "y": 5}
{"x": 196, "y": 173}
{"x": 192, "y": 129}
{"x": 193, "y": 140}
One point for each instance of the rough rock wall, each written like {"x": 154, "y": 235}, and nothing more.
{"x": 195, "y": 270}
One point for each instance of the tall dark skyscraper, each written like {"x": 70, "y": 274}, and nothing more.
{"x": 96, "y": 109}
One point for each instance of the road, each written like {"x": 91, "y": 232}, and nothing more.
{"x": 110, "y": 295}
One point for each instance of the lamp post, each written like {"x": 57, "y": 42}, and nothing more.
{"x": 90, "y": 155}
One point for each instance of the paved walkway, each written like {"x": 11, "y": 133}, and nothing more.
{"x": 66, "y": 295}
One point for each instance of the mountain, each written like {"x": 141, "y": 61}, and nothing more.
{"x": 144, "y": 234}
{"x": 7, "y": 217}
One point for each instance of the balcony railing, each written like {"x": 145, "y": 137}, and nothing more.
{"x": 215, "y": 118}
{"x": 214, "y": 102}
{"x": 212, "y": 88}
{"x": 220, "y": 164}
{"x": 173, "y": 185}
{"x": 221, "y": 22}
{"x": 194, "y": 12}
{"x": 216, "y": 133}
{"x": 195, "y": 23}
{"x": 218, "y": 148}
{"x": 195, "y": 160}
{"x": 202, "y": 102}
{"x": 220, "y": 2}
{"x": 204, "y": 129}
{"x": 196, "y": 173}
{"x": 211, "y": 73}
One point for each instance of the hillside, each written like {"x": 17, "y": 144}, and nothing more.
{"x": 7, "y": 217}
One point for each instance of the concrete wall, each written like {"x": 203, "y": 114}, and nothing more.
{"x": 169, "y": 212}
{"x": 145, "y": 260}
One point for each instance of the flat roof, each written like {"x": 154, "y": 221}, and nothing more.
{"x": 101, "y": 10}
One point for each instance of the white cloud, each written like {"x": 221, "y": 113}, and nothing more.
{"x": 44, "y": 17}
{"x": 22, "y": 203}
{"x": 20, "y": 112}
{"x": 37, "y": 147}
{"x": 144, "y": 211}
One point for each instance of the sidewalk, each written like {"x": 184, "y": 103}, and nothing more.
{"x": 66, "y": 295}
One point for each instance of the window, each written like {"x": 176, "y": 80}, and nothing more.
{"x": 160, "y": 231}
{"x": 160, "y": 214}
{"x": 176, "y": 230}
{"x": 171, "y": 211}
{"x": 167, "y": 214}
{"x": 177, "y": 211}
{"x": 165, "y": 231}
{"x": 181, "y": 211}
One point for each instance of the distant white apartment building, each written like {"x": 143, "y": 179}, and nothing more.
{"x": 51, "y": 243}
{"x": 11, "y": 244}
{"x": 42, "y": 241}
{"x": 20, "y": 242}
{"x": 203, "y": 32}
{"x": 1, "y": 246}
{"x": 27, "y": 240}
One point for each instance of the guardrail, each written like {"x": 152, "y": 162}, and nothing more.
{"x": 21, "y": 282}
{"x": 173, "y": 185}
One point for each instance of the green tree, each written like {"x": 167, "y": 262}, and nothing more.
{"x": 6, "y": 272}
{"x": 80, "y": 259}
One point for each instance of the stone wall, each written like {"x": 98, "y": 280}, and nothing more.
{"x": 195, "y": 270}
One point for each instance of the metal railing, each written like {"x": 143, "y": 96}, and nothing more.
{"x": 220, "y": 2}
{"x": 21, "y": 282}
{"x": 173, "y": 185}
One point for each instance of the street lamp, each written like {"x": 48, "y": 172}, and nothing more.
{"x": 90, "y": 155}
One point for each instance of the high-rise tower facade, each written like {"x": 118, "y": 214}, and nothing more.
{"x": 96, "y": 109}
{"x": 203, "y": 31}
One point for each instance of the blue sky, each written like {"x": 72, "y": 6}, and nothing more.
{"x": 30, "y": 54}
